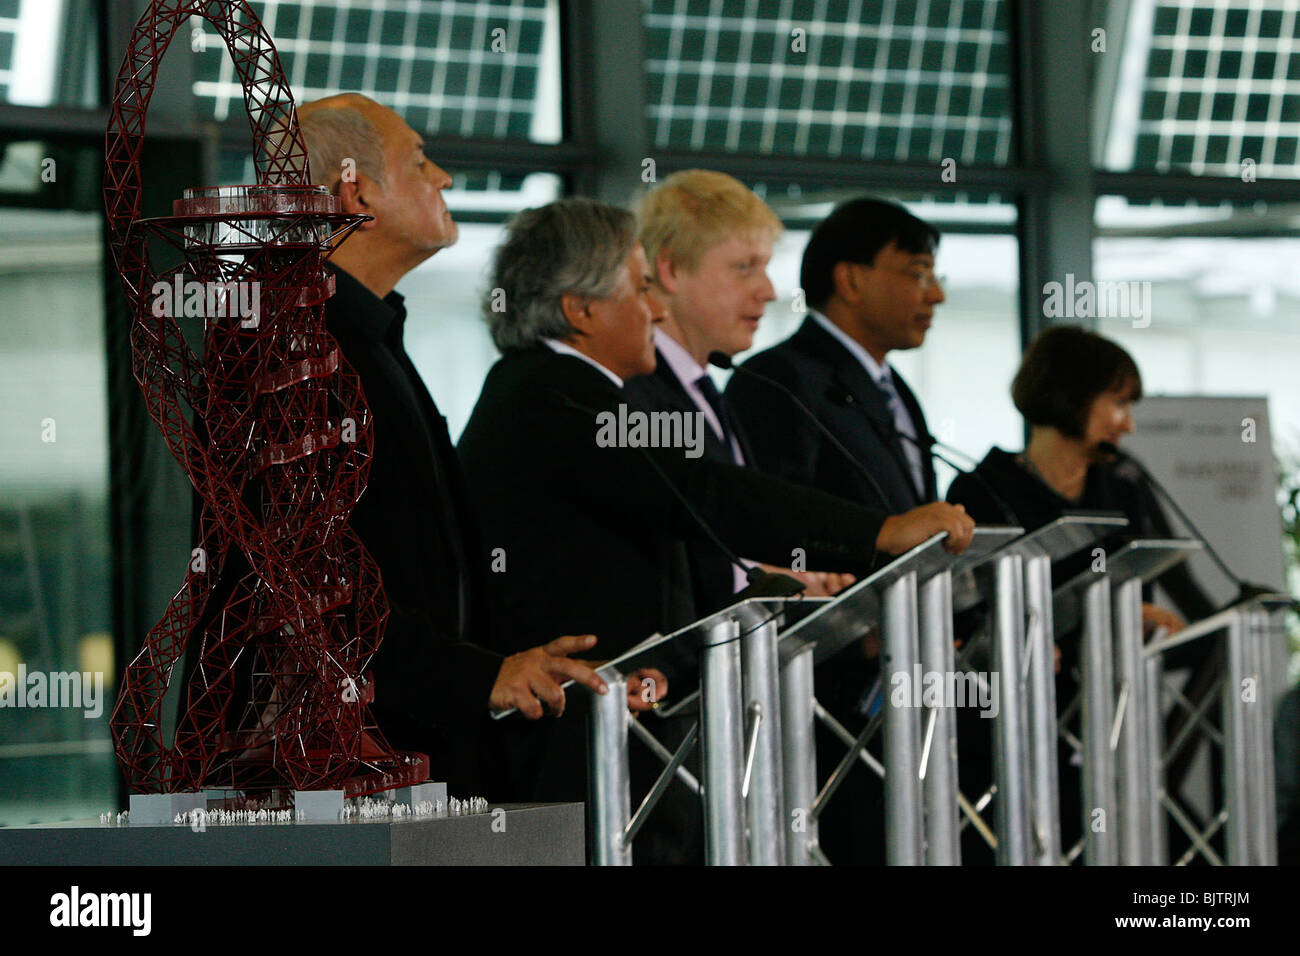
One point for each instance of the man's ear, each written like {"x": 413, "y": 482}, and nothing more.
{"x": 354, "y": 197}
{"x": 576, "y": 312}
{"x": 666, "y": 273}
{"x": 846, "y": 281}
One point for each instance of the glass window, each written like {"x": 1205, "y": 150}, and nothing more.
{"x": 489, "y": 68}
{"x": 1224, "y": 300}
{"x": 1210, "y": 87}
{"x": 49, "y": 53}
{"x": 883, "y": 81}
{"x": 56, "y": 760}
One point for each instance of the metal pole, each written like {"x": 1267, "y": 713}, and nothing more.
{"x": 764, "y": 802}
{"x": 1262, "y": 777}
{"x": 1010, "y": 738}
{"x": 611, "y": 796}
{"x": 1156, "y": 822}
{"x": 1236, "y": 745}
{"x": 1099, "y": 800}
{"x": 1275, "y": 636}
{"x": 1134, "y": 777}
{"x": 942, "y": 832}
{"x": 1044, "y": 780}
{"x": 903, "y": 832}
{"x": 722, "y": 746}
{"x": 799, "y": 757}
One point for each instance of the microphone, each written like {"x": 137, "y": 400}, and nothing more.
{"x": 1245, "y": 590}
{"x": 998, "y": 500}
{"x": 723, "y": 360}
{"x": 761, "y": 583}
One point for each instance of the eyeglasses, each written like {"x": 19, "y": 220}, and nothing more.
{"x": 924, "y": 278}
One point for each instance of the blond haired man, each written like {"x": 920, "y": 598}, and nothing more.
{"x": 708, "y": 240}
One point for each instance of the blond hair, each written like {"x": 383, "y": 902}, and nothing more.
{"x": 697, "y": 209}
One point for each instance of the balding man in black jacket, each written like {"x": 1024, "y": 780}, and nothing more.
{"x": 436, "y": 679}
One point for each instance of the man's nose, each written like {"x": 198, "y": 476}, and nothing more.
{"x": 935, "y": 292}
{"x": 439, "y": 176}
{"x": 769, "y": 290}
{"x": 658, "y": 308}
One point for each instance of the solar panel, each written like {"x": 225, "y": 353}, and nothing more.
{"x": 889, "y": 80}
{"x": 454, "y": 68}
{"x": 1221, "y": 87}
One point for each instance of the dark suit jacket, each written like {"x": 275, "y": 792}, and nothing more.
{"x": 662, "y": 390}
{"x": 838, "y": 390}
{"x": 840, "y": 393}
{"x": 432, "y": 676}
{"x": 595, "y": 542}
{"x": 1002, "y": 492}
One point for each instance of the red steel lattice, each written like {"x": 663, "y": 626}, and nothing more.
{"x": 271, "y": 426}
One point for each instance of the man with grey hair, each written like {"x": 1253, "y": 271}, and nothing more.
{"x": 595, "y": 534}
{"x": 435, "y": 682}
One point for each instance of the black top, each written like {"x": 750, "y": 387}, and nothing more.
{"x": 839, "y": 391}
{"x": 432, "y": 675}
{"x": 1004, "y": 492}
{"x": 591, "y": 533}
{"x": 595, "y": 542}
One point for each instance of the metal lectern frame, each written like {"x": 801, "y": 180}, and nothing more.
{"x": 1019, "y": 579}
{"x": 739, "y": 734}
{"x": 1120, "y": 762}
{"x": 1250, "y": 814}
{"x": 912, "y": 598}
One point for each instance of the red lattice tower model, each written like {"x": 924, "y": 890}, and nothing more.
{"x": 271, "y": 427}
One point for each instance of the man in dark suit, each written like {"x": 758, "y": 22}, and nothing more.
{"x": 708, "y": 239}
{"x": 589, "y": 520}
{"x": 435, "y": 680}
{"x": 868, "y": 278}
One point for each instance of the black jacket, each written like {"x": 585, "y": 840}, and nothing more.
{"x": 841, "y": 394}
{"x": 595, "y": 542}
{"x": 432, "y": 675}
{"x": 662, "y": 390}
{"x": 1004, "y": 492}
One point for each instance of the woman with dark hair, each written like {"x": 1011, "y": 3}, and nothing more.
{"x": 1076, "y": 391}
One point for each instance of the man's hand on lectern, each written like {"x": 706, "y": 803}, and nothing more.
{"x": 903, "y": 532}
{"x": 530, "y": 680}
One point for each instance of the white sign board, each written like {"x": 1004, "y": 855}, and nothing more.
{"x": 1215, "y": 456}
